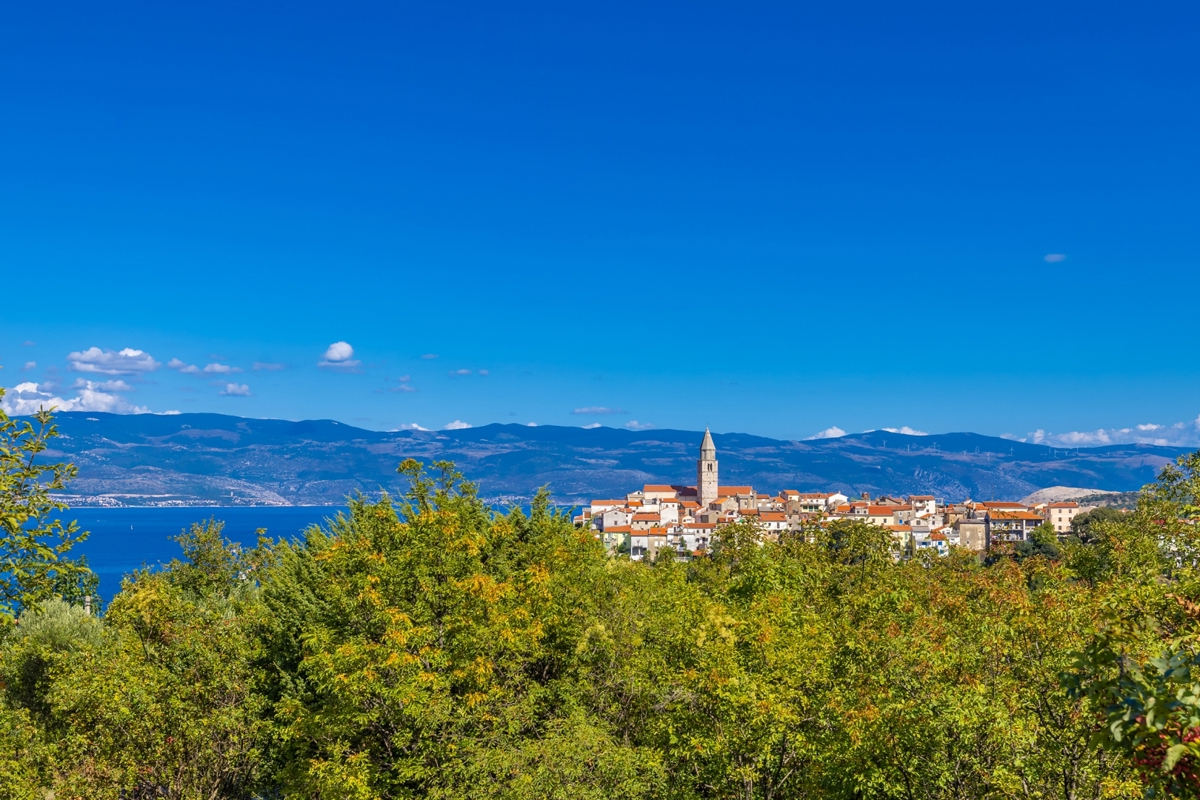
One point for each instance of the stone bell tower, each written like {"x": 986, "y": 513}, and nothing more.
{"x": 706, "y": 471}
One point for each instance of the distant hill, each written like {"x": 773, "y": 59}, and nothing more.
{"x": 198, "y": 459}
{"x": 1061, "y": 494}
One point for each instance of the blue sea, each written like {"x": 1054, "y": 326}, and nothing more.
{"x": 124, "y": 539}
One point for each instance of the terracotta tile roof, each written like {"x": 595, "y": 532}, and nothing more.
{"x": 772, "y": 516}
{"x": 730, "y": 491}
{"x": 1064, "y": 505}
{"x": 921, "y": 497}
{"x": 879, "y": 511}
{"x": 618, "y": 529}
{"x": 658, "y": 487}
{"x": 647, "y": 517}
{"x": 1028, "y": 515}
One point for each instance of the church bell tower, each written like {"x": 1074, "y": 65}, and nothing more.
{"x": 706, "y": 471}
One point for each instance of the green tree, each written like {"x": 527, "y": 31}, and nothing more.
{"x": 426, "y": 649}
{"x": 1081, "y": 524}
{"x": 1042, "y": 541}
{"x": 170, "y": 705}
{"x": 1139, "y": 668}
{"x": 34, "y": 545}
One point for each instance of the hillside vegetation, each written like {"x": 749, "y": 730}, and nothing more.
{"x": 424, "y": 646}
{"x": 212, "y": 459}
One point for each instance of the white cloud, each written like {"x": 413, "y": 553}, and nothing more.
{"x": 220, "y": 369}
{"x": 236, "y": 390}
{"x": 634, "y": 425}
{"x": 593, "y": 426}
{"x": 265, "y": 366}
{"x": 530, "y": 424}
{"x": 832, "y": 432}
{"x": 339, "y": 356}
{"x": 484, "y": 372}
{"x": 1054, "y": 258}
{"x": 457, "y": 372}
{"x": 106, "y": 362}
{"x": 411, "y": 426}
{"x": 339, "y": 351}
{"x": 404, "y": 387}
{"x": 188, "y": 369}
{"x": 27, "y": 398}
{"x": 907, "y": 431}
{"x": 429, "y": 356}
{"x": 29, "y": 365}
{"x": 457, "y": 425}
{"x": 598, "y": 410}
{"x": 1178, "y": 435}
{"x": 117, "y": 385}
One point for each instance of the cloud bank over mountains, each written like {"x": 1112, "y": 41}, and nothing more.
{"x": 832, "y": 432}
{"x": 28, "y": 398}
{"x": 1181, "y": 434}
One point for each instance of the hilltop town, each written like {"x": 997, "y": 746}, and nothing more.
{"x": 687, "y": 519}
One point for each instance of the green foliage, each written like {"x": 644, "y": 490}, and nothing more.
{"x": 169, "y": 706}
{"x": 428, "y": 647}
{"x": 23, "y": 756}
{"x": 34, "y": 562}
{"x": 1081, "y": 524}
{"x": 1152, "y": 710}
{"x": 1042, "y": 541}
{"x": 44, "y": 633}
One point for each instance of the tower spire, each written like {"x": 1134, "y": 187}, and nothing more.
{"x": 706, "y": 471}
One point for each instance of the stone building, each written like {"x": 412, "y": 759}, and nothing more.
{"x": 707, "y": 487}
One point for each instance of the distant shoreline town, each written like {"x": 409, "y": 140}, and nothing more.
{"x": 688, "y": 519}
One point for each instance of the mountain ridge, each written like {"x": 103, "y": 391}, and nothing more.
{"x": 203, "y": 459}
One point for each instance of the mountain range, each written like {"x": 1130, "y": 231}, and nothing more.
{"x": 208, "y": 459}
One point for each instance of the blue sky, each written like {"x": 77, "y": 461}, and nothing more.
{"x": 773, "y": 218}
